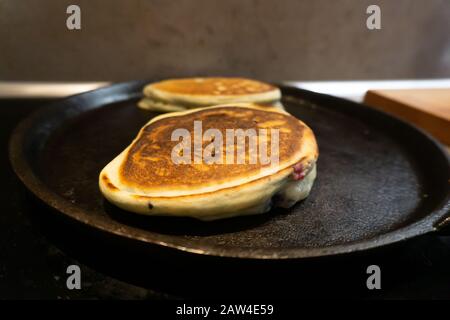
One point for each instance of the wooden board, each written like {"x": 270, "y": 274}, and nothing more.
{"x": 429, "y": 109}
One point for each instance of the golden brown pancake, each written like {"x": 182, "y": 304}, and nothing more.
{"x": 213, "y": 86}
{"x": 148, "y": 164}
{"x": 144, "y": 178}
{"x": 177, "y": 94}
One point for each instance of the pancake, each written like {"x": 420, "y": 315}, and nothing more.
{"x": 145, "y": 179}
{"x": 181, "y": 94}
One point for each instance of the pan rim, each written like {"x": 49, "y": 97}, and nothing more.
{"x": 33, "y": 183}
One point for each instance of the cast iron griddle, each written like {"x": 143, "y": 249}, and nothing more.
{"x": 379, "y": 180}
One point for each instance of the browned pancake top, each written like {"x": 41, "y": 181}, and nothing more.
{"x": 148, "y": 164}
{"x": 213, "y": 86}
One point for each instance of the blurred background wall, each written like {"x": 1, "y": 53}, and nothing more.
{"x": 267, "y": 39}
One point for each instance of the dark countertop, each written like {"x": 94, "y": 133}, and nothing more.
{"x": 30, "y": 265}
{"x": 36, "y": 248}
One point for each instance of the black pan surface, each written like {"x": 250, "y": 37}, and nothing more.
{"x": 380, "y": 180}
